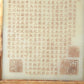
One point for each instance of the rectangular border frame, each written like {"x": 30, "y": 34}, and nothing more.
{"x": 23, "y": 81}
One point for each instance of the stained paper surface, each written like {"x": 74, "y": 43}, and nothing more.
{"x": 43, "y": 40}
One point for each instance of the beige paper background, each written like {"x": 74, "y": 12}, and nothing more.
{"x": 76, "y": 41}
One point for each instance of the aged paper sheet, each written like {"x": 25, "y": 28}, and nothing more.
{"x": 43, "y": 40}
